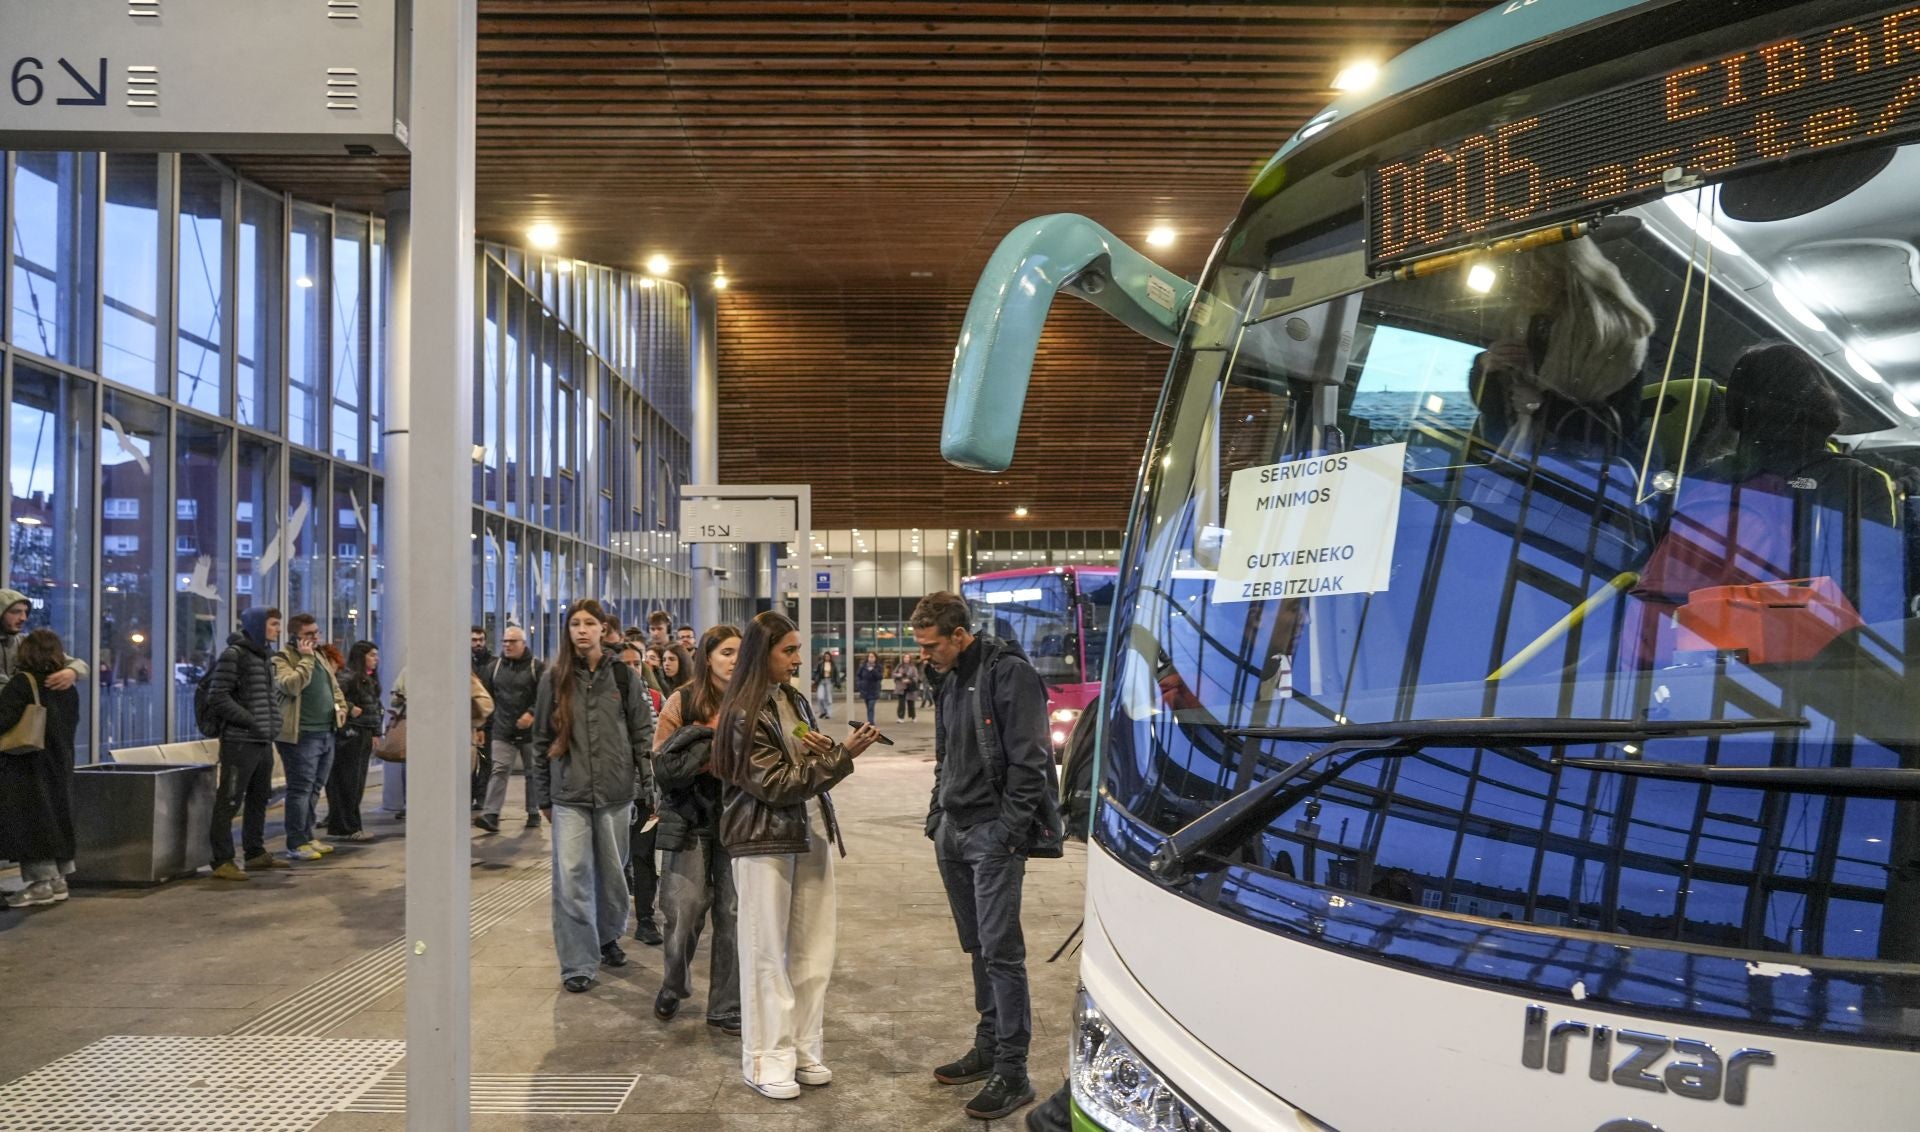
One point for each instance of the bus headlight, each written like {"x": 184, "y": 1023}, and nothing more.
{"x": 1066, "y": 715}
{"x": 1115, "y": 1086}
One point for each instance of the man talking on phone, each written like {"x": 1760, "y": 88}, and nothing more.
{"x": 995, "y": 803}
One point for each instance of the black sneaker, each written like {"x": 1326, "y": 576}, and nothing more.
{"x": 1002, "y": 1095}
{"x": 726, "y": 1024}
{"x": 973, "y": 1067}
{"x": 577, "y": 983}
{"x": 611, "y": 955}
{"x": 665, "y": 1006}
{"x": 648, "y": 932}
{"x": 533, "y": 821}
{"x": 488, "y": 822}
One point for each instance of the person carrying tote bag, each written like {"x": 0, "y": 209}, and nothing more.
{"x": 36, "y": 799}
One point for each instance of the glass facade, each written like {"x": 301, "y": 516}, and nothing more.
{"x": 877, "y": 576}
{"x": 1012, "y": 550}
{"x": 193, "y": 371}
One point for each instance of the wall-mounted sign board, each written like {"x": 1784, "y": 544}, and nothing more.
{"x": 206, "y": 76}
{"x": 719, "y": 519}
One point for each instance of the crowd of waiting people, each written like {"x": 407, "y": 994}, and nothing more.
{"x": 695, "y": 747}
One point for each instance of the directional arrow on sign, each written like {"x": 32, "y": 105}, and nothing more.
{"x": 96, "y": 95}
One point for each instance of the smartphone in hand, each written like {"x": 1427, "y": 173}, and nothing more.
{"x": 877, "y": 737}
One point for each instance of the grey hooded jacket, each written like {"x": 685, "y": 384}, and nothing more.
{"x": 10, "y": 642}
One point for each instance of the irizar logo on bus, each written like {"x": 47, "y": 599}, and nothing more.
{"x": 1699, "y": 1072}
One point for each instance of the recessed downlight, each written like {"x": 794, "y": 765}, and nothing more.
{"x": 544, "y": 237}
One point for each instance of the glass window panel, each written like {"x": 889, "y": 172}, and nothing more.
{"x": 350, "y": 547}
{"x": 51, "y": 299}
{"x": 204, "y": 219}
{"x": 134, "y": 572}
{"x": 376, "y": 581}
{"x": 350, "y": 337}
{"x": 130, "y": 341}
{"x": 201, "y": 563}
{"x": 515, "y": 395}
{"x": 487, "y": 404}
{"x": 307, "y": 328}
{"x": 307, "y": 523}
{"x": 50, "y": 454}
{"x": 258, "y": 556}
{"x": 260, "y": 283}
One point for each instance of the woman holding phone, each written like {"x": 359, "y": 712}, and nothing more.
{"x": 777, "y": 824}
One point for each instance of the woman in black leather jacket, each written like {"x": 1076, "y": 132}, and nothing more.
{"x": 777, "y": 824}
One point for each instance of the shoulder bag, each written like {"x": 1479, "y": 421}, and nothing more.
{"x": 29, "y": 733}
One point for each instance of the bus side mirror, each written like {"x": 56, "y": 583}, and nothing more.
{"x": 994, "y": 360}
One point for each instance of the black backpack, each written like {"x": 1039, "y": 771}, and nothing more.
{"x": 1048, "y": 835}
{"x": 204, "y": 718}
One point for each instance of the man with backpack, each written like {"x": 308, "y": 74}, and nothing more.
{"x": 995, "y": 803}
{"x": 513, "y": 679}
{"x": 236, "y": 703}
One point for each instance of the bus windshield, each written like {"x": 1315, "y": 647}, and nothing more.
{"x": 1662, "y": 470}
{"x": 1034, "y": 610}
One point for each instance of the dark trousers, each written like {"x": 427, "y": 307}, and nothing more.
{"x": 983, "y": 878}
{"x": 643, "y": 876}
{"x": 246, "y": 783}
{"x": 347, "y": 782}
{"x": 698, "y": 881}
{"x": 903, "y": 705}
{"x": 482, "y": 773}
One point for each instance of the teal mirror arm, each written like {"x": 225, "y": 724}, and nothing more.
{"x": 994, "y": 361}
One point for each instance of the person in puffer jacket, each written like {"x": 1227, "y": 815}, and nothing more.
{"x": 593, "y": 738}
{"x": 240, "y": 694}
{"x": 696, "y": 877}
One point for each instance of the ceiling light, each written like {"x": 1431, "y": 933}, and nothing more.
{"x": 1861, "y": 367}
{"x": 647, "y": 282}
{"x": 303, "y": 281}
{"x": 1685, "y": 206}
{"x": 1901, "y": 403}
{"x": 1480, "y": 278}
{"x": 544, "y": 236}
{"x": 1358, "y": 75}
{"x": 26, "y": 520}
{"x": 1019, "y": 512}
{"x": 659, "y": 265}
{"x": 719, "y": 281}
{"x": 1793, "y": 305}
{"x": 1160, "y": 237}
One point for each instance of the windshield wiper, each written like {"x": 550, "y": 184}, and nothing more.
{"x": 1248, "y": 812}
{"x": 1841, "y": 781}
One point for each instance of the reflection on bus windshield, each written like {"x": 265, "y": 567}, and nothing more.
{"x": 1632, "y": 488}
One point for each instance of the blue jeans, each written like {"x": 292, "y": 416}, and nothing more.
{"x": 589, "y": 883}
{"x": 308, "y": 763}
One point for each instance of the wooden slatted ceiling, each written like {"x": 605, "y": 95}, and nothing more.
{"x": 823, "y": 153}
{"x": 845, "y": 391}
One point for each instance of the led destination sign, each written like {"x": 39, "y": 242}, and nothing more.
{"x": 1854, "y": 83}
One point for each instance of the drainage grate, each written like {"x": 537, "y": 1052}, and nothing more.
{"x": 159, "y": 1084}
{"x": 360, "y": 984}
{"x": 513, "y": 1093}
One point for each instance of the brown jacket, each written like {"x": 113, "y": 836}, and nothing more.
{"x": 768, "y": 814}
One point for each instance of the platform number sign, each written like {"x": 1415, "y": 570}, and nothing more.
{"x": 28, "y": 82}
{"x": 822, "y": 581}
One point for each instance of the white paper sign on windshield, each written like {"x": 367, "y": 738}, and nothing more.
{"x": 1318, "y": 527}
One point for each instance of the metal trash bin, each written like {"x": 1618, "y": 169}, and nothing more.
{"x": 141, "y": 824}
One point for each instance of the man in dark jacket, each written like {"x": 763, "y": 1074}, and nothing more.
{"x": 513, "y": 679}
{"x": 994, "y": 803}
{"x": 240, "y": 694}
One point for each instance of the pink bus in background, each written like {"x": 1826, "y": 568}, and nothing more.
{"x": 1059, "y": 615}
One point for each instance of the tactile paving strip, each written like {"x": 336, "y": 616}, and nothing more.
{"x": 351, "y": 989}
{"x": 508, "y": 1093}
{"x": 224, "y": 1084}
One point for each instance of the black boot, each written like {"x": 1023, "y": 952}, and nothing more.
{"x": 611, "y": 955}
{"x": 665, "y": 1006}
{"x": 648, "y": 932}
{"x": 973, "y": 1067}
{"x": 1055, "y": 1114}
{"x": 1002, "y": 1095}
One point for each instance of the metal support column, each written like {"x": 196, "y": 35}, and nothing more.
{"x": 394, "y": 541}
{"x": 434, "y": 586}
{"x": 706, "y": 442}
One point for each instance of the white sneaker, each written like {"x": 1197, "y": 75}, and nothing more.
{"x": 359, "y": 835}
{"x": 815, "y": 1075}
{"x": 40, "y": 892}
{"x": 776, "y": 1090}
{"x": 59, "y": 885}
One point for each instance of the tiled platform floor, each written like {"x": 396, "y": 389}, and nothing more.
{"x": 198, "y": 958}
